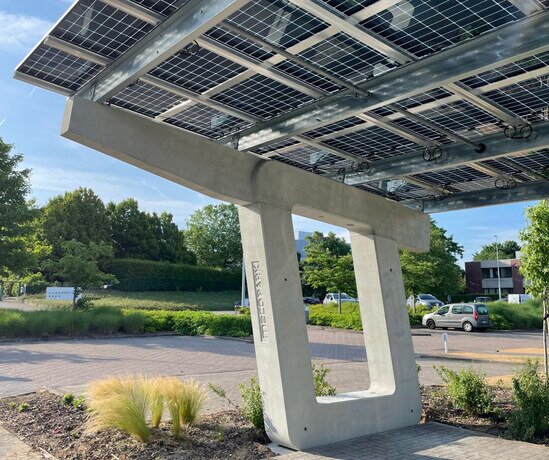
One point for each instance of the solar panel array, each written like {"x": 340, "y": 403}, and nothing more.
{"x": 232, "y": 79}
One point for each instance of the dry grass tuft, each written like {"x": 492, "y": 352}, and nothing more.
{"x": 120, "y": 402}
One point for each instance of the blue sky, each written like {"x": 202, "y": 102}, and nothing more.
{"x": 30, "y": 118}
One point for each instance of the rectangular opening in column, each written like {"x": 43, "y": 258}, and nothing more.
{"x": 336, "y": 342}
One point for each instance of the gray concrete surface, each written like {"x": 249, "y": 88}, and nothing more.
{"x": 14, "y": 304}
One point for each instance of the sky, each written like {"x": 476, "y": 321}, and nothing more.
{"x": 30, "y": 119}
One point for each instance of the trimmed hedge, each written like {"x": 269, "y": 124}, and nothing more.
{"x": 146, "y": 275}
{"x": 458, "y": 298}
{"x": 106, "y": 321}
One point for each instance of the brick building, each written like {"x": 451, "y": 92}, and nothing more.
{"x": 482, "y": 277}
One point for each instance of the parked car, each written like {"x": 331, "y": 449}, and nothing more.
{"x": 427, "y": 300}
{"x": 333, "y": 297}
{"x": 311, "y": 300}
{"x": 466, "y": 316}
{"x": 482, "y": 299}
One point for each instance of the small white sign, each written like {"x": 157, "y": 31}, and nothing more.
{"x": 61, "y": 293}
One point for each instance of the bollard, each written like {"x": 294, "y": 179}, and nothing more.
{"x": 445, "y": 340}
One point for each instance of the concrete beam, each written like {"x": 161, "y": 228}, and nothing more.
{"x": 227, "y": 174}
{"x": 177, "y": 31}
{"x": 527, "y": 191}
{"x": 505, "y": 45}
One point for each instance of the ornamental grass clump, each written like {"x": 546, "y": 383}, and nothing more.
{"x": 120, "y": 402}
{"x": 184, "y": 401}
{"x": 156, "y": 398}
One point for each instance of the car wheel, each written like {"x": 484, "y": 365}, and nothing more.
{"x": 467, "y": 326}
{"x": 431, "y": 324}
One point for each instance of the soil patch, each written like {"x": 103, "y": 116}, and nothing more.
{"x": 60, "y": 430}
{"x": 438, "y": 408}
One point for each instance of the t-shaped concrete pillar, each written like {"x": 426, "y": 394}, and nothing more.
{"x": 268, "y": 193}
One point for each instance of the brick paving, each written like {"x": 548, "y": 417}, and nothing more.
{"x": 428, "y": 441}
{"x": 68, "y": 365}
{"x": 12, "y": 448}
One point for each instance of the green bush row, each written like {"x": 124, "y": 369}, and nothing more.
{"x": 146, "y": 275}
{"x": 106, "y": 321}
{"x": 526, "y": 315}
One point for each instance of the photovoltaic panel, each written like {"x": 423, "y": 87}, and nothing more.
{"x": 425, "y": 98}
{"x": 198, "y": 71}
{"x": 274, "y": 146}
{"x": 207, "y": 121}
{"x": 239, "y": 43}
{"x": 165, "y": 7}
{"x": 529, "y": 99}
{"x": 463, "y": 118}
{"x": 262, "y": 97}
{"x": 59, "y": 68}
{"x": 334, "y": 127}
{"x": 310, "y": 156}
{"x": 512, "y": 69}
{"x": 145, "y": 99}
{"x": 373, "y": 144}
{"x": 538, "y": 161}
{"x": 349, "y": 7}
{"x": 423, "y": 27}
{"x": 451, "y": 176}
{"x": 98, "y": 27}
{"x": 278, "y": 22}
{"x": 347, "y": 58}
{"x": 321, "y": 83}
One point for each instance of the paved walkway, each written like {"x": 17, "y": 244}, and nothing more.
{"x": 13, "y": 304}
{"x": 12, "y": 448}
{"x": 428, "y": 442}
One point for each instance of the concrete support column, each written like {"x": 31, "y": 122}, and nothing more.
{"x": 276, "y": 303}
{"x": 391, "y": 360}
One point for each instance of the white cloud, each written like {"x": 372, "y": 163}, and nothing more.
{"x": 20, "y": 31}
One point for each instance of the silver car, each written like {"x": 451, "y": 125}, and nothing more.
{"x": 427, "y": 300}
{"x": 466, "y": 316}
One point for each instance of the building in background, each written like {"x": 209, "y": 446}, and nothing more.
{"x": 482, "y": 277}
{"x": 301, "y": 242}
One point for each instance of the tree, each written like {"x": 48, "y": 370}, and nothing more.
{"x": 535, "y": 261}
{"x": 132, "y": 232}
{"x": 213, "y": 234}
{"x": 79, "y": 265}
{"x": 78, "y": 215}
{"x": 329, "y": 264}
{"x": 16, "y": 213}
{"x": 171, "y": 241}
{"x": 506, "y": 250}
{"x": 435, "y": 272}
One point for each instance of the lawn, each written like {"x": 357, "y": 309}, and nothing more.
{"x": 148, "y": 300}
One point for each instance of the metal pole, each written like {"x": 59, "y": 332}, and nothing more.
{"x": 497, "y": 267}
{"x": 243, "y": 290}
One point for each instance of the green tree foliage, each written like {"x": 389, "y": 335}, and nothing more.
{"x": 506, "y": 250}
{"x": 329, "y": 264}
{"x": 79, "y": 265}
{"x": 213, "y": 234}
{"x": 435, "y": 272}
{"x": 171, "y": 241}
{"x": 16, "y": 212}
{"x": 535, "y": 262}
{"x": 131, "y": 231}
{"x": 79, "y": 215}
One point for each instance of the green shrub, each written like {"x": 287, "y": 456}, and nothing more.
{"x": 328, "y": 315}
{"x": 146, "y": 275}
{"x": 67, "y": 399}
{"x": 499, "y": 323}
{"x": 468, "y": 390}
{"x": 322, "y": 386}
{"x": 23, "y": 407}
{"x": 527, "y": 315}
{"x": 106, "y": 321}
{"x": 252, "y": 403}
{"x": 530, "y": 418}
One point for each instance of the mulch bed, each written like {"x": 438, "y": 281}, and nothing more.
{"x": 438, "y": 408}
{"x": 60, "y": 430}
